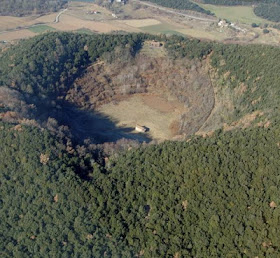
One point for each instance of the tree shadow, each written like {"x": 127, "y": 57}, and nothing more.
{"x": 92, "y": 125}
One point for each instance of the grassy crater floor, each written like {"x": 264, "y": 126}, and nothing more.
{"x": 152, "y": 111}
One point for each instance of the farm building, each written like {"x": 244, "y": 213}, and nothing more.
{"x": 93, "y": 12}
{"x": 140, "y": 128}
{"x": 121, "y": 1}
{"x": 155, "y": 44}
{"x": 223, "y": 23}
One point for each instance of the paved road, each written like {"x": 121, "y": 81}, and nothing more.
{"x": 176, "y": 12}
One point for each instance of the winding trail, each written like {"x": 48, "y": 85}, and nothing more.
{"x": 57, "y": 17}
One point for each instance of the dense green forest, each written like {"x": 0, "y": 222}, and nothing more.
{"x": 26, "y": 7}
{"x": 238, "y": 2}
{"x": 227, "y": 2}
{"x": 206, "y": 197}
{"x": 253, "y": 66}
{"x": 180, "y": 4}
{"x": 46, "y": 65}
{"x": 43, "y": 204}
{"x": 268, "y": 11}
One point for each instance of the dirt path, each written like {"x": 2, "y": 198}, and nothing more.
{"x": 57, "y": 17}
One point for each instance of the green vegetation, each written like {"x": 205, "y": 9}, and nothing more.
{"x": 46, "y": 209}
{"x": 239, "y": 65}
{"x": 270, "y": 12}
{"x": 267, "y": 9}
{"x": 85, "y": 31}
{"x": 243, "y": 14}
{"x": 238, "y": 2}
{"x": 161, "y": 29}
{"x": 260, "y": 80}
{"x": 228, "y": 2}
{"x": 46, "y": 65}
{"x": 209, "y": 197}
{"x": 42, "y": 65}
{"x": 26, "y": 7}
{"x": 254, "y": 25}
{"x": 41, "y": 29}
{"x": 180, "y": 4}
{"x": 206, "y": 198}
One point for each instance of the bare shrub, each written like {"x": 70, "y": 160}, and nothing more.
{"x": 13, "y": 100}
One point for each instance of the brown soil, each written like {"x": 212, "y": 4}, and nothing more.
{"x": 15, "y": 35}
{"x": 9, "y": 22}
{"x": 133, "y": 110}
{"x": 161, "y": 104}
{"x": 70, "y": 23}
{"x": 180, "y": 91}
{"x": 244, "y": 122}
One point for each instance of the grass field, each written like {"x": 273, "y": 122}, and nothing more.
{"x": 9, "y": 22}
{"x": 161, "y": 29}
{"x": 85, "y": 31}
{"x": 71, "y": 23}
{"x": 196, "y": 33}
{"x": 16, "y": 35}
{"x": 138, "y": 23}
{"x": 41, "y": 29}
{"x": 153, "y": 52}
{"x": 151, "y": 111}
{"x": 243, "y": 14}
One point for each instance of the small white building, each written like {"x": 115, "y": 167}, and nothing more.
{"x": 141, "y": 129}
{"x": 121, "y": 1}
{"x": 223, "y": 23}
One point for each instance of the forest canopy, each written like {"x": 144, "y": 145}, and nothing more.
{"x": 180, "y": 4}
{"x": 27, "y": 7}
{"x": 267, "y": 9}
{"x": 239, "y": 2}
{"x": 214, "y": 196}
{"x": 209, "y": 197}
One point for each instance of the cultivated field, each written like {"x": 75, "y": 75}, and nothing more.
{"x": 15, "y": 28}
{"x": 9, "y": 22}
{"x": 70, "y": 23}
{"x": 213, "y": 34}
{"x": 163, "y": 28}
{"x": 151, "y": 111}
{"x": 273, "y": 37}
{"x": 41, "y": 29}
{"x": 141, "y": 22}
{"x": 16, "y": 35}
{"x": 134, "y": 17}
{"x": 242, "y": 14}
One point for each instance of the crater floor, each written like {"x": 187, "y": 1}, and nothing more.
{"x": 150, "y": 110}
